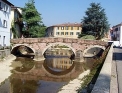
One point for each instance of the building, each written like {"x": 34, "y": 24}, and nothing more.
{"x": 116, "y": 32}
{"x": 5, "y": 11}
{"x": 16, "y": 22}
{"x": 67, "y": 30}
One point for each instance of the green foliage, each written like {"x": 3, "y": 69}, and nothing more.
{"x": 60, "y": 46}
{"x": 95, "y": 22}
{"x": 33, "y": 25}
{"x": 91, "y": 37}
{"x": 14, "y": 31}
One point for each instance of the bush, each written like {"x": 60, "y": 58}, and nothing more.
{"x": 91, "y": 37}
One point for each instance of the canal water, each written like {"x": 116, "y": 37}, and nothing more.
{"x": 48, "y": 76}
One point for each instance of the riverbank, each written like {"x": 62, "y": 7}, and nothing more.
{"x": 5, "y": 67}
{"x": 74, "y": 84}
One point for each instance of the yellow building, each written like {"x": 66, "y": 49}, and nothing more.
{"x": 67, "y": 30}
{"x": 16, "y": 22}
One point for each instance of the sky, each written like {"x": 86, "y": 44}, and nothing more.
{"x": 63, "y": 11}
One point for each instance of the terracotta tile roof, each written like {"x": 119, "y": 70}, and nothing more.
{"x": 68, "y": 24}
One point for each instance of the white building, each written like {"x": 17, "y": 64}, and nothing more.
{"x": 116, "y": 33}
{"x": 16, "y": 22}
{"x": 5, "y": 11}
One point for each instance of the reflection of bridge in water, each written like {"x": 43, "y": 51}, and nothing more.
{"x": 42, "y": 71}
{"x": 58, "y": 52}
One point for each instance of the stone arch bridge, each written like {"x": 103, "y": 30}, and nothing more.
{"x": 38, "y": 46}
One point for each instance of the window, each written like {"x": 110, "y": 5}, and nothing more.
{"x": 77, "y": 33}
{"x": 51, "y": 33}
{"x": 116, "y": 29}
{"x": 119, "y": 28}
{"x": 0, "y": 5}
{"x": 62, "y": 33}
{"x": 71, "y": 33}
{"x": 77, "y": 28}
{"x": 4, "y": 23}
{"x": 5, "y": 7}
{"x": 58, "y": 28}
{"x": 62, "y": 28}
{"x": 71, "y": 28}
{"x": 66, "y": 33}
{"x": 66, "y": 27}
{"x": 4, "y": 41}
{"x": 57, "y": 33}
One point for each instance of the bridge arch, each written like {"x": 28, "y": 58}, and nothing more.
{"x": 91, "y": 49}
{"x": 53, "y": 44}
{"x": 14, "y": 48}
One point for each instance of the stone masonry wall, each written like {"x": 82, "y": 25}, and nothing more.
{"x": 40, "y": 45}
{"x": 4, "y": 53}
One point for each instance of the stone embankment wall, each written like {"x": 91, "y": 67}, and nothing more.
{"x": 102, "y": 84}
{"x": 4, "y": 53}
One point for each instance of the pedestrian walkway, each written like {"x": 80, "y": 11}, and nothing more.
{"x": 117, "y": 58}
{"x": 5, "y": 67}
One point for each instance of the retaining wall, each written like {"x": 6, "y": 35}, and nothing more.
{"x": 103, "y": 81}
{"x": 4, "y": 53}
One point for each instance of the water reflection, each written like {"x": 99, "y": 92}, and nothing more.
{"x": 46, "y": 76}
{"x": 21, "y": 64}
{"x": 59, "y": 64}
{"x": 23, "y": 86}
{"x": 34, "y": 86}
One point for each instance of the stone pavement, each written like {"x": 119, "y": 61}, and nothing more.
{"x": 117, "y": 58}
{"x": 113, "y": 83}
{"x": 5, "y": 67}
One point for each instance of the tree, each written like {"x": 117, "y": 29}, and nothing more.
{"x": 33, "y": 25}
{"x": 95, "y": 22}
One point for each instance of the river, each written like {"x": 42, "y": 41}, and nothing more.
{"x": 48, "y": 76}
